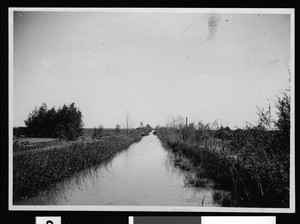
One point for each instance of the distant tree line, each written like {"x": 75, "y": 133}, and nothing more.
{"x": 64, "y": 123}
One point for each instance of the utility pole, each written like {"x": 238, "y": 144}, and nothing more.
{"x": 186, "y": 121}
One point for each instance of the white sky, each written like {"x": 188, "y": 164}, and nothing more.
{"x": 198, "y": 65}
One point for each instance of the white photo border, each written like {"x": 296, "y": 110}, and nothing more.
{"x": 291, "y": 208}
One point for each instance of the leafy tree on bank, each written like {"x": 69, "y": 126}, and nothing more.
{"x": 70, "y": 122}
{"x": 64, "y": 123}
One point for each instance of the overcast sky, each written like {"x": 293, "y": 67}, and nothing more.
{"x": 199, "y": 65}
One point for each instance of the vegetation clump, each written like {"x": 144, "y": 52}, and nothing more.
{"x": 98, "y": 132}
{"x": 252, "y": 163}
{"x": 64, "y": 123}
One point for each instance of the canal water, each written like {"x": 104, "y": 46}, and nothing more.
{"x": 143, "y": 174}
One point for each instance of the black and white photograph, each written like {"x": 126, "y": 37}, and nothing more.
{"x": 158, "y": 109}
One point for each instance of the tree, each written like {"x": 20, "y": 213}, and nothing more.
{"x": 128, "y": 122}
{"x": 65, "y": 123}
{"x": 118, "y": 128}
{"x": 70, "y": 122}
{"x": 37, "y": 121}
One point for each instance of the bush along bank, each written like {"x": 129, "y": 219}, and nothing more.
{"x": 249, "y": 179}
{"x": 39, "y": 170}
{"x": 191, "y": 157}
{"x": 252, "y": 163}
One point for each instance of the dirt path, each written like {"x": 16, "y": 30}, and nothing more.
{"x": 59, "y": 145}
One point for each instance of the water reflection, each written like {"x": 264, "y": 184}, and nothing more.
{"x": 143, "y": 174}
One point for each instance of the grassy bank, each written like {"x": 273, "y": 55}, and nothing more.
{"x": 36, "y": 170}
{"x": 255, "y": 179}
{"x": 252, "y": 163}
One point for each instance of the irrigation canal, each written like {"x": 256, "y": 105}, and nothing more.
{"x": 143, "y": 174}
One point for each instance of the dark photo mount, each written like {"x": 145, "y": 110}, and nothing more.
{"x": 15, "y": 216}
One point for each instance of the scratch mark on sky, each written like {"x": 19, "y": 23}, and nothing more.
{"x": 186, "y": 29}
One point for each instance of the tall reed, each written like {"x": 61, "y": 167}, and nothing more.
{"x": 252, "y": 163}
{"x": 37, "y": 170}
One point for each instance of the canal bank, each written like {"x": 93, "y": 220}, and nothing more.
{"x": 42, "y": 169}
{"x": 144, "y": 174}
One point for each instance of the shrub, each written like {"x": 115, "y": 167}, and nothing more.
{"x": 118, "y": 128}
{"x": 255, "y": 165}
{"x": 98, "y": 132}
